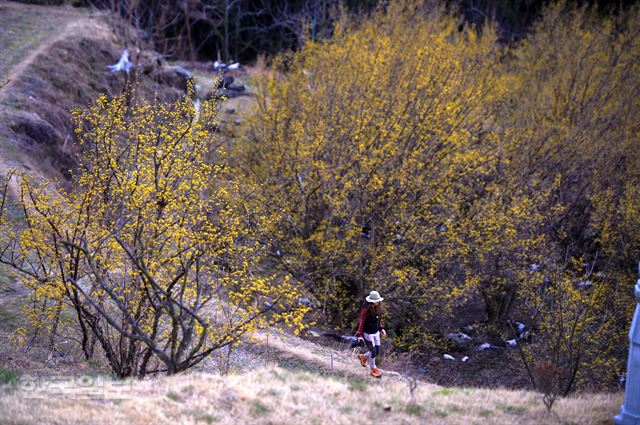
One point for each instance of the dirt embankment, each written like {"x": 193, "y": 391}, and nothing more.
{"x": 57, "y": 59}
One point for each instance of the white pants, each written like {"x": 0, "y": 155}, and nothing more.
{"x": 373, "y": 338}
{"x": 373, "y": 344}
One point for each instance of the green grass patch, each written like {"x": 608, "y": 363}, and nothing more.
{"x": 485, "y": 413}
{"x": 8, "y": 376}
{"x": 509, "y": 408}
{"x": 441, "y": 413}
{"x": 205, "y": 417}
{"x": 8, "y": 317}
{"x": 94, "y": 363}
{"x": 357, "y": 385}
{"x": 444, "y": 392}
{"x": 414, "y": 409}
{"x": 273, "y": 392}
{"x": 172, "y": 395}
{"x": 278, "y": 375}
{"x": 7, "y": 280}
{"x": 259, "y": 409}
{"x": 454, "y": 408}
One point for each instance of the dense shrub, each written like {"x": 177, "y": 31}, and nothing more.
{"x": 411, "y": 155}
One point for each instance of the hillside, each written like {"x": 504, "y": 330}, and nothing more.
{"x": 57, "y": 60}
{"x": 282, "y": 379}
{"x": 291, "y": 382}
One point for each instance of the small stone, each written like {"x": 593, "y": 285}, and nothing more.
{"x": 236, "y": 87}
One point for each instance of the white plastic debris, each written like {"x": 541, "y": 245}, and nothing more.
{"x": 300, "y": 182}
{"x": 124, "y": 64}
{"x": 484, "y": 346}
{"x": 534, "y": 267}
{"x": 521, "y": 327}
{"x": 585, "y": 283}
{"x": 465, "y": 358}
{"x": 459, "y": 337}
{"x": 196, "y": 106}
{"x": 221, "y": 66}
{"x": 511, "y": 342}
{"x": 306, "y": 301}
{"x": 448, "y": 357}
{"x": 183, "y": 72}
{"x": 314, "y": 333}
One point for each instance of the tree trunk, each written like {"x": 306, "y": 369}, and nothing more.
{"x": 499, "y": 304}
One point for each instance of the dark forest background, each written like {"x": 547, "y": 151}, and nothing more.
{"x": 239, "y": 30}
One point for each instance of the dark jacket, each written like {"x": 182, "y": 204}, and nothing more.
{"x": 370, "y": 322}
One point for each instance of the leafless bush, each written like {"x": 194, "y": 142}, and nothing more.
{"x": 548, "y": 377}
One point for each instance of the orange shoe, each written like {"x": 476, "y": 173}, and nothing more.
{"x": 376, "y": 373}
{"x": 363, "y": 360}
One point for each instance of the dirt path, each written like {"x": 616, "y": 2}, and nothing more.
{"x": 342, "y": 361}
{"x": 87, "y": 27}
{"x": 29, "y": 31}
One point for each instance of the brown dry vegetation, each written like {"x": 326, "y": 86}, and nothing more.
{"x": 272, "y": 377}
{"x": 57, "y": 60}
{"x": 276, "y": 395}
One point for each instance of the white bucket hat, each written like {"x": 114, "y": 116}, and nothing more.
{"x": 374, "y": 297}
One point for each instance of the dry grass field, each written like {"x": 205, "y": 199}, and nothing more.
{"x": 275, "y": 395}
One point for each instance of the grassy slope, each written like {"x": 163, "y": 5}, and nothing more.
{"x": 31, "y": 39}
{"x": 281, "y": 396}
{"x": 25, "y": 28}
{"x": 274, "y": 379}
{"x": 279, "y": 379}
{"x": 282, "y": 379}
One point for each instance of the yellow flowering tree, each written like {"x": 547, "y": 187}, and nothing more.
{"x": 570, "y": 118}
{"x": 380, "y": 155}
{"x": 413, "y": 156}
{"x": 153, "y": 250}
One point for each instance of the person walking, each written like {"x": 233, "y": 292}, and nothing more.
{"x": 370, "y": 330}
